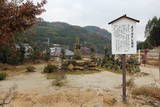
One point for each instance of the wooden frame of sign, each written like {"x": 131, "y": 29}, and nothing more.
{"x": 124, "y": 42}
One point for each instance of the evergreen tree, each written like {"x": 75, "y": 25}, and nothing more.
{"x": 47, "y": 54}
{"x": 22, "y": 54}
{"x": 152, "y": 32}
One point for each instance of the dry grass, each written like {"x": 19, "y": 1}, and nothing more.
{"x": 149, "y": 91}
{"x": 130, "y": 82}
{"x": 6, "y": 67}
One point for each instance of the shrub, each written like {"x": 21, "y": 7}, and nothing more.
{"x": 58, "y": 83}
{"x": 3, "y": 75}
{"x": 64, "y": 66}
{"x": 50, "y": 68}
{"x": 30, "y": 69}
{"x": 137, "y": 69}
{"x": 132, "y": 65}
{"x": 108, "y": 61}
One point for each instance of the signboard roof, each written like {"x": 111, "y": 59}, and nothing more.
{"x": 124, "y": 16}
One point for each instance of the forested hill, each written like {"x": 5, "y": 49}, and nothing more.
{"x": 65, "y": 34}
{"x": 99, "y": 31}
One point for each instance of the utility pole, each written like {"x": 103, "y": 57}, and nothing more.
{"x": 139, "y": 56}
{"x": 48, "y": 42}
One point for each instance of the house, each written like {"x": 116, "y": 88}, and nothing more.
{"x": 27, "y": 49}
{"x": 56, "y": 52}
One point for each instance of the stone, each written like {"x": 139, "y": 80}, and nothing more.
{"x": 97, "y": 105}
{"x": 146, "y": 106}
{"x": 70, "y": 66}
{"x": 92, "y": 68}
{"x": 78, "y": 68}
{"x": 80, "y": 62}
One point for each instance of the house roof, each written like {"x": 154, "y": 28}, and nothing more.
{"x": 124, "y": 16}
{"x": 56, "y": 51}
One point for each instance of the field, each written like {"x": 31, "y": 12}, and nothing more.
{"x": 81, "y": 89}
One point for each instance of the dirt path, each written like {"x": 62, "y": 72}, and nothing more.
{"x": 102, "y": 80}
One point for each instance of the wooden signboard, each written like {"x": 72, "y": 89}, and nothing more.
{"x": 123, "y": 35}
{"x": 124, "y": 42}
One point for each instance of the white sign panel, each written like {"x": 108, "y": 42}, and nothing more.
{"x": 123, "y": 37}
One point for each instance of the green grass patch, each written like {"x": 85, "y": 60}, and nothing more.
{"x": 3, "y": 75}
{"x": 82, "y": 72}
{"x": 51, "y": 75}
{"x": 59, "y": 83}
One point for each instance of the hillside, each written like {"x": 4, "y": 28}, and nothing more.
{"x": 99, "y": 31}
{"x": 65, "y": 34}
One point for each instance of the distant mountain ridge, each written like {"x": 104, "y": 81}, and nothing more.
{"x": 99, "y": 31}
{"x": 65, "y": 34}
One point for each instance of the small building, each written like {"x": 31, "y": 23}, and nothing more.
{"x": 27, "y": 49}
{"x": 56, "y": 52}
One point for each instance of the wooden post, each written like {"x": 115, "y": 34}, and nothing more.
{"x": 139, "y": 56}
{"x": 124, "y": 78}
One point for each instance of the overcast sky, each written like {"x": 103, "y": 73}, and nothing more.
{"x": 100, "y": 12}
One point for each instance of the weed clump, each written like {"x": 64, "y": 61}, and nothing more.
{"x": 50, "y": 68}
{"x": 30, "y": 69}
{"x": 130, "y": 82}
{"x": 3, "y": 75}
